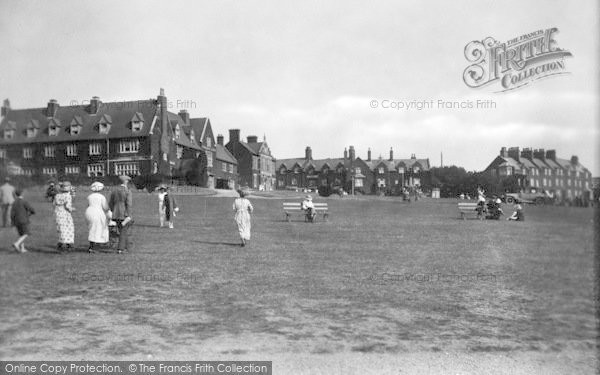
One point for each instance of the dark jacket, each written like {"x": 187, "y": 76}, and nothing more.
{"x": 170, "y": 205}
{"x": 120, "y": 203}
{"x": 21, "y": 210}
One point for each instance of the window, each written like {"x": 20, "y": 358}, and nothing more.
{"x": 224, "y": 166}
{"x": 416, "y": 169}
{"x": 95, "y": 170}
{"x": 103, "y": 128}
{"x": 325, "y": 170}
{"x": 282, "y": 170}
{"x": 230, "y": 168}
{"x": 137, "y": 126}
{"x": 209, "y": 159}
{"x": 294, "y": 181}
{"x": 72, "y": 150}
{"x": 179, "y": 151}
{"x": 128, "y": 169}
{"x": 208, "y": 142}
{"x": 192, "y": 136}
{"x": 31, "y": 132}
{"x": 2, "y": 153}
{"x": 72, "y": 169}
{"x": 128, "y": 146}
{"x": 53, "y": 130}
{"x": 95, "y": 148}
{"x": 359, "y": 182}
{"x": 380, "y": 170}
{"x": 49, "y": 151}
{"x": 280, "y": 182}
{"x": 357, "y": 170}
{"x": 27, "y": 153}
{"x": 254, "y": 162}
{"x": 27, "y": 171}
{"x": 9, "y": 134}
{"x": 177, "y": 131}
{"x": 51, "y": 171}
{"x": 75, "y": 129}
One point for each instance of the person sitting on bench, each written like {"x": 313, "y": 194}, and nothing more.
{"x": 309, "y": 208}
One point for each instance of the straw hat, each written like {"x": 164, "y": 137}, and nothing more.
{"x": 309, "y": 197}
{"x": 97, "y": 186}
{"x": 65, "y": 186}
{"x": 124, "y": 179}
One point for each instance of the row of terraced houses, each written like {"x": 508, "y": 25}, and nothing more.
{"x": 542, "y": 170}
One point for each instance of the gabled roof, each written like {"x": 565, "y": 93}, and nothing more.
{"x": 119, "y": 114}
{"x": 223, "y": 154}
{"x": 540, "y": 163}
{"x": 183, "y": 140}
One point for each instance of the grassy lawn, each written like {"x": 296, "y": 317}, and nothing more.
{"x": 381, "y": 276}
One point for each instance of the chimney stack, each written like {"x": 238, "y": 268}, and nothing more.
{"x": 551, "y": 154}
{"x": 391, "y": 154}
{"x": 5, "y": 108}
{"x": 185, "y": 116}
{"x": 234, "y": 135}
{"x": 413, "y": 156}
{"x": 308, "y": 153}
{"x": 352, "y": 153}
{"x": 52, "y": 108}
{"x": 252, "y": 139}
{"x": 345, "y": 153}
{"x": 513, "y": 152}
{"x": 574, "y": 160}
{"x": 220, "y": 139}
{"x": 94, "y": 105}
{"x": 539, "y": 154}
{"x": 503, "y": 152}
{"x": 527, "y": 154}
{"x": 369, "y": 154}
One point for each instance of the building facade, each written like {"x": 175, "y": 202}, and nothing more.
{"x": 225, "y": 167}
{"x": 256, "y": 165}
{"x": 352, "y": 173}
{"x": 100, "y": 139}
{"x": 542, "y": 170}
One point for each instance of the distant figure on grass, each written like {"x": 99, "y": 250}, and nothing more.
{"x": 20, "y": 213}
{"x": 481, "y": 209}
{"x": 308, "y": 207}
{"x": 63, "y": 206}
{"x": 97, "y": 215}
{"x": 167, "y": 206}
{"x": 518, "y": 214}
{"x": 243, "y": 208}
{"x": 7, "y": 198}
{"x": 120, "y": 204}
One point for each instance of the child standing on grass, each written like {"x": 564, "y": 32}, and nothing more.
{"x": 171, "y": 208}
{"x": 21, "y": 210}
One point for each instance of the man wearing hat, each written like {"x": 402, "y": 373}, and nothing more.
{"x": 309, "y": 208}
{"x": 7, "y": 198}
{"x": 120, "y": 203}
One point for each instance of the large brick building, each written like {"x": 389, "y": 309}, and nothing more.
{"x": 98, "y": 139}
{"x": 256, "y": 165}
{"x": 351, "y": 172}
{"x": 542, "y": 170}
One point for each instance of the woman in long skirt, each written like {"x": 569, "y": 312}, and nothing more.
{"x": 63, "y": 206}
{"x": 243, "y": 208}
{"x": 97, "y": 217}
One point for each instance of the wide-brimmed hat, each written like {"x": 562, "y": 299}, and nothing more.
{"x": 309, "y": 197}
{"x": 124, "y": 179}
{"x": 161, "y": 187}
{"x": 97, "y": 186}
{"x": 65, "y": 186}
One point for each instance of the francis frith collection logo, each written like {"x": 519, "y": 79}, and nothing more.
{"x": 515, "y": 63}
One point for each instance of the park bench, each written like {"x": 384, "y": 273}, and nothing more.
{"x": 469, "y": 208}
{"x": 292, "y": 208}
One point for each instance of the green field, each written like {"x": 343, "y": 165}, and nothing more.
{"x": 381, "y": 277}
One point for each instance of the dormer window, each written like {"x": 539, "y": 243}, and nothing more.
{"x": 104, "y": 124}
{"x": 380, "y": 170}
{"x": 76, "y": 125}
{"x": 9, "y": 133}
{"x": 32, "y": 128}
{"x": 193, "y": 136}
{"x": 53, "y": 127}
{"x": 137, "y": 122}
{"x": 177, "y": 131}
{"x": 282, "y": 170}
{"x": 208, "y": 142}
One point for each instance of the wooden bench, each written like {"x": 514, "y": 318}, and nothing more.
{"x": 293, "y": 208}
{"x": 470, "y": 208}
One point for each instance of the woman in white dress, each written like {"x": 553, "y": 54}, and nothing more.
{"x": 63, "y": 207}
{"x": 162, "y": 191}
{"x": 243, "y": 208}
{"x": 97, "y": 216}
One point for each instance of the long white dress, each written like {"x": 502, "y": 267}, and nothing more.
{"x": 96, "y": 217}
{"x": 243, "y": 208}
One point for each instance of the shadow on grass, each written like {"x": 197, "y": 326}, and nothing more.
{"x": 236, "y": 244}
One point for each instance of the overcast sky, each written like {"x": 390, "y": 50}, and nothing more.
{"x": 305, "y": 72}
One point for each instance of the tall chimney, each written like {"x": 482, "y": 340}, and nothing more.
{"x": 94, "y": 105}
{"x": 574, "y": 160}
{"x": 52, "y": 108}
{"x": 5, "y": 108}
{"x": 503, "y": 152}
{"x": 391, "y": 154}
{"x": 527, "y": 154}
{"x": 413, "y": 156}
{"x": 345, "y": 153}
{"x": 551, "y": 154}
{"x": 252, "y": 139}
{"x": 352, "y": 153}
{"x": 234, "y": 135}
{"x": 539, "y": 154}
{"x": 220, "y": 139}
{"x": 308, "y": 153}
{"x": 513, "y": 152}
{"x": 369, "y": 154}
{"x": 165, "y": 137}
{"x": 185, "y": 116}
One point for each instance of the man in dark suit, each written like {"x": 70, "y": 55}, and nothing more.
{"x": 20, "y": 213}
{"x": 120, "y": 203}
